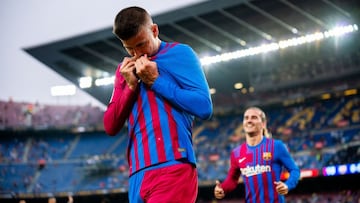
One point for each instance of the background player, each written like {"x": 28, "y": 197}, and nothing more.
{"x": 260, "y": 161}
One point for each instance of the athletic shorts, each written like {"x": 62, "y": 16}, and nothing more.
{"x": 170, "y": 184}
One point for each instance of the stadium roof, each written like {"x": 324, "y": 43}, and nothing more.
{"x": 213, "y": 28}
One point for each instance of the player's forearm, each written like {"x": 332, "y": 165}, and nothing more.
{"x": 293, "y": 179}
{"x": 289, "y": 164}
{"x": 232, "y": 179}
{"x": 229, "y": 184}
{"x": 196, "y": 101}
{"x": 118, "y": 110}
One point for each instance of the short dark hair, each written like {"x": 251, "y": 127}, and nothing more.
{"x": 128, "y": 21}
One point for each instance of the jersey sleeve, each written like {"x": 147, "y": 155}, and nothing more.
{"x": 289, "y": 164}
{"x": 120, "y": 105}
{"x": 190, "y": 91}
{"x": 232, "y": 179}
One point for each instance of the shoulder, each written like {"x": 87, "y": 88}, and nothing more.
{"x": 177, "y": 53}
{"x": 238, "y": 150}
{"x": 278, "y": 142}
{"x": 176, "y": 46}
{"x": 279, "y": 145}
{"x": 275, "y": 142}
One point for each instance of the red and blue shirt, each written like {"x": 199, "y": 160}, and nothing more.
{"x": 260, "y": 166}
{"x": 160, "y": 117}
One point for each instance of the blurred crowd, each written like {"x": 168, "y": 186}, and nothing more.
{"x": 39, "y": 154}
{"x": 24, "y": 115}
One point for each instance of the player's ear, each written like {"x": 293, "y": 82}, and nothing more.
{"x": 155, "y": 30}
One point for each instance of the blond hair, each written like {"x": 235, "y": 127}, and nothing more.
{"x": 266, "y": 132}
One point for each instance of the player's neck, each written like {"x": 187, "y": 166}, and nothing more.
{"x": 253, "y": 140}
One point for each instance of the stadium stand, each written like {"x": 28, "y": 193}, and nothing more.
{"x": 57, "y": 161}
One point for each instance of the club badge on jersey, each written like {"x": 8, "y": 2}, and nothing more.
{"x": 267, "y": 156}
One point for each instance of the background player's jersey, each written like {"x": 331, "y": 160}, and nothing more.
{"x": 260, "y": 166}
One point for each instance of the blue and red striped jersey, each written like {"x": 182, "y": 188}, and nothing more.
{"x": 160, "y": 117}
{"x": 260, "y": 166}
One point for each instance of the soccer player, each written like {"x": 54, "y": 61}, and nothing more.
{"x": 259, "y": 161}
{"x": 158, "y": 91}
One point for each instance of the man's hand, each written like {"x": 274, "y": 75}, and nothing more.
{"x": 70, "y": 199}
{"x": 281, "y": 188}
{"x": 218, "y": 191}
{"x": 146, "y": 70}
{"x": 128, "y": 70}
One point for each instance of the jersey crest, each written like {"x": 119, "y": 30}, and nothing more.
{"x": 267, "y": 156}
